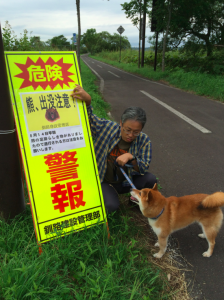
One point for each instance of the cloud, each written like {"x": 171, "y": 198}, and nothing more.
{"x": 48, "y": 18}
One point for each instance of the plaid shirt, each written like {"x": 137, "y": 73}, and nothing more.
{"x": 107, "y": 135}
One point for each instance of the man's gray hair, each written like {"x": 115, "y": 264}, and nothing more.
{"x": 134, "y": 113}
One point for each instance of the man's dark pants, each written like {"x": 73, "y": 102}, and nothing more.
{"x": 111, "y": 191}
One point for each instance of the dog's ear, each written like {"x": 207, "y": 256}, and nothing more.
{"x": 155, "y": 187}
{"x": 147, "y": 194}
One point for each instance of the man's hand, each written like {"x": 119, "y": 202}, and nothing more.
{"x": 124, "y": 158}
{"x": 81, "y": 94}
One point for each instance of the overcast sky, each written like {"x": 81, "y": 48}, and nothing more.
{"x": 48, "y": 18}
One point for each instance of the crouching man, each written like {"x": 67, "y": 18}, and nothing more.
{"x": 116, "y": 145}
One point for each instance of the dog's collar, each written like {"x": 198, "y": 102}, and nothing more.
{"x": 158, "y": 215}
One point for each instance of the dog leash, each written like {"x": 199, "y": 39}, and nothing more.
{"x": 125, "y": 175}
{"x": 133, "y": 186}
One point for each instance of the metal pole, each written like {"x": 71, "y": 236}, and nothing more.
{"x": 143, "y": 34}
{"x": 155, "y": 59}
{"x": 11, "y": 187}
{"x": 139, "y": 43}
{"x": 120, "y": 48}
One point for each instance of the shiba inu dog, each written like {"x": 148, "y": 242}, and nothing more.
{"x": 166, "y": 215}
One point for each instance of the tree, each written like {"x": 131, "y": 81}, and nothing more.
{"x": 115, "y": 42}
{"x": 8, "y": 36}
{"x": 169, "y": 5}
{"x": 160, "y": 19}
{"x": 90, "y": 39}
{"x": 59, "y": 42}
{"x": 202, "y": 19}
{"x": 133, "y": 11}
{"x": 36, "y": 43}
{"x": 12, "y": 43}
{"x": 104, "y": 41}
{"x": 97, "y": 42}
{"x": 23, "y": 44}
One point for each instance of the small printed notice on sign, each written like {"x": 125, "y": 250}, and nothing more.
{"x": 53, "y": 121}
{"x": 55, "y": 141}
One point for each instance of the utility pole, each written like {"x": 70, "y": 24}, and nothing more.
{"x": 11, "y": 186}
{"x": 156, "y": 48}
{"x": 79, "y": 32}
{"x": 139, "y": 42}
{"x": 143, "y": 33}
{"x": 155, "y": 29}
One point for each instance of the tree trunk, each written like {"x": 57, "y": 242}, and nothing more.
{"x": 11, "y": 189}
{"x": 143, "y": 34}
{"x": 170, "y": 4}
{"x": 209, "y": 47}
{"x": 139, "y": 42}
{"x": 79, "y": 33}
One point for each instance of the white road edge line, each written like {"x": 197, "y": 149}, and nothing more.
{"x": 101, "y": 79}
{"x": 113, "y": 74}
{"x": 180, "y": 115}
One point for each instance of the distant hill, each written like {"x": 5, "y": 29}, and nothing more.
{"x": 136, "y": 48}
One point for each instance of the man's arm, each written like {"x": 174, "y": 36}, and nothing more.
{"x": 96, "y": 124}
{"x": 135, "y": 164}
{"x": 143, "y": 157}
{"x": 124, "y": 158}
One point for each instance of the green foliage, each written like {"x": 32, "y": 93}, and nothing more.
{"x": 133, "y": 8}
{"x": 97, "y": 42}
{"x": 23, "y": 43}
{"x": 59, "y": 42}
{"x": 31, "y": 43}
{"x": 193, "y": 19}
{"x": 198, "y": 62}
{"x": 9, "y": 37}
{"x": 90, "y": 41}
{"x": 213, "y": 64}
{"x": 36, "y": 43}
{"x": 84, "y": 265}
{"x": 99, "y": 105}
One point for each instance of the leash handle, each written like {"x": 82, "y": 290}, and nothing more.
{"x": 128, "y": 179}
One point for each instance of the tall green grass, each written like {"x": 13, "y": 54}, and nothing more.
{"x": 84, "y": 265}
{"x": 88, "y": 81}
{"x": 200, "y": 83}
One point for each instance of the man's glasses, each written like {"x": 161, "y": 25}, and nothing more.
{"x": 128, "y": 131}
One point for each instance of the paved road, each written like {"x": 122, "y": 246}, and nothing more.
{"x": 187, "y": 159}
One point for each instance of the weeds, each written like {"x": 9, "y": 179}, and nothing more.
{"x": 84, "y": 265}
{"x": 99, "y": 105}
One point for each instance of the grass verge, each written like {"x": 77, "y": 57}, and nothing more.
{"x": 88, "y": 80}
{"x": 201, "y": 84}
{"x": 84, "y": 265}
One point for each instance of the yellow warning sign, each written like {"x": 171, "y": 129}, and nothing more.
{"x": 54, "y": 135}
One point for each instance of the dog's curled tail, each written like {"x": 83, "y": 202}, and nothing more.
{"x": 214, "y": 200}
